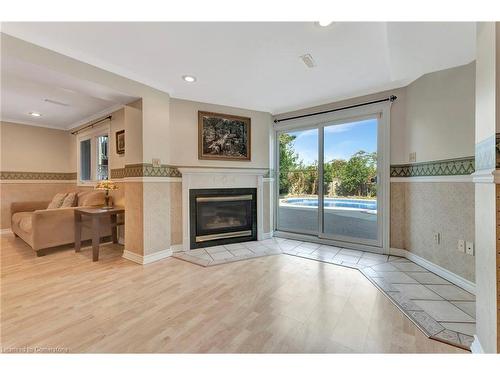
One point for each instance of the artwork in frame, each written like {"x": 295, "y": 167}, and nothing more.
{"x": 120, "y": 142}
{"x": 223, "y": 137}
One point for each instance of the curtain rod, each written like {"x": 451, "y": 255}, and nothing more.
{"x": 389, "y": 99}
{"x": 91, "y": 125}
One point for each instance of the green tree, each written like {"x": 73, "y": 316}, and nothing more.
{"x": 288, "y": 160}
{"x": 333, "y": 169}
{"x": 355, "y": 177}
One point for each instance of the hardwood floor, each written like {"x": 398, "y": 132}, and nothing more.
{"x": 272, "y": 304}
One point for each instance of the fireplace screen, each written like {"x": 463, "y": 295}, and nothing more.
{"x": 222, "y": 216}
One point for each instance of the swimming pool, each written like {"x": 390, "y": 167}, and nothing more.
{"x": 357, "y": 204}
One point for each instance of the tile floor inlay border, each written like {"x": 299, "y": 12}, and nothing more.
{"x": 441, "y": 310}
{"x": 408, "y": 286}
{"x": 215, "y": 255}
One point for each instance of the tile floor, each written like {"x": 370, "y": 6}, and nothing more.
{"x": 440, "y": 309}
{"x": 212, "y": 256}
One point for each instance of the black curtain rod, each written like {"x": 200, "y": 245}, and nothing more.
{"x": 91, "y": 125}
{"x": 389, "y": 99}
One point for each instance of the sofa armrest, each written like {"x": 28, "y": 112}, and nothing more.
{"x": 27, "y": 206}
{"x": 53, "y": 227}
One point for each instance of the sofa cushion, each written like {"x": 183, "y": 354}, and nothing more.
{"x": 92, "y": 198}
{"x": 57, "y": 201}
{"x": 69, "y": 200}
{"x": 23, "y": 220}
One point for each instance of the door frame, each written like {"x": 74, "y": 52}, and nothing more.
{"x": 378, "y": 110}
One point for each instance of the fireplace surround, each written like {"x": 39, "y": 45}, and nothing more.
{"x": 222, "y": 216}
{"x": 220, "y": 178}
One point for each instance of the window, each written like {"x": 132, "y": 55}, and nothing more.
{"x": 93, "y": 152}
{"x": 85, "y": 160}
{"x": 102, "y": 157}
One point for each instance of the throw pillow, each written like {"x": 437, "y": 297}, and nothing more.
{"x": 69, "y": 200}
{"x": 57, "y": 201}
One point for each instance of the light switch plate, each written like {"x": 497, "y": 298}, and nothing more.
{"x": 469, "y": 248}
{"x": 461, "y": 246}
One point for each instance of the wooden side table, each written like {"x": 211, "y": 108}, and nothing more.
{"x": 96, "y": 214}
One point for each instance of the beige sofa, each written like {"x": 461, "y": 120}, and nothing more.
{"x": 42, "y": 228}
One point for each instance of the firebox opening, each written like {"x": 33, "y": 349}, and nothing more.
{"x": 221, "y": 216}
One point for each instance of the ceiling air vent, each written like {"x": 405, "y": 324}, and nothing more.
{"x": 56, "y": 102}
{"x": 308, "y": 60}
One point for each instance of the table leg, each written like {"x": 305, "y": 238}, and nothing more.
{"x": 78, "y": 232}
{"x": 96, "y": 238}
{"x": 114, "y": 228}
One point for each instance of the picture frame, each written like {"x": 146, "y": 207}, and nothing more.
{"x": 120, "y": 142}
{"x": 224, "y": 137}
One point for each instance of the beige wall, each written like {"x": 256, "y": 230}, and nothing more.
{"x": 184, "y": 134}
{"x": 34, "y": 149}
{"x": 440, "y": 115}
{"x": 133, "y": 133}
{"x": 419, "y": 209}
{"x": 176, "y": 213}
{"x": 117, "y": 124}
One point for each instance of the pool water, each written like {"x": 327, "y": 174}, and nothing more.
{"x": 362, "y": 204}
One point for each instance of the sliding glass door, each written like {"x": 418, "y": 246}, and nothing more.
{"x": 298, "y": 181}
{"x": 350, "y": 176}
{"x": 328, "y": 181}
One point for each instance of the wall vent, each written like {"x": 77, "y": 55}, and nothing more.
{"x": 56, "y": 102}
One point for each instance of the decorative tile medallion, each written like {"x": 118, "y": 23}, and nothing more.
{"x": 56, "y": 176}
{"x": 448, "y": 167}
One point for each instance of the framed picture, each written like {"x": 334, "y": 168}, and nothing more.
{"x": 223, "y": 137}
{"x": 120, "y": 142}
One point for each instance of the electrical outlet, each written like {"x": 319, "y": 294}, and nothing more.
{"x": 412, "y": 158}
{"x": 156, "y": 163}
{"x": 437, "y": 238}
{"x": 469, "y": 248}
{"x": 461, "y": 246}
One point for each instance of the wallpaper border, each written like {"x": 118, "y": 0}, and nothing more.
{"x": 46, "y": 176}
{"x": 447, "y": 167}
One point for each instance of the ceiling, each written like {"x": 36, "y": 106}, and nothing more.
{"x": 63, "y": 101}
{"x": 257, "y": 65}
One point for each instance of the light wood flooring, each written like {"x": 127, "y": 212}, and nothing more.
{"x": 273, "y": 304}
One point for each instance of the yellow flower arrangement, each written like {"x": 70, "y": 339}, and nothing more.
{"x": 106, "y": 185}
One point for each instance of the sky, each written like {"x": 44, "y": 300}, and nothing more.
{"x": 341, "y": 141}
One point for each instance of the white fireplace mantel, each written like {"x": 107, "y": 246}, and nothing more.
{"x": 220, "y": 178}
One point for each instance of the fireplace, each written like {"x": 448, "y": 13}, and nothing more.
{"x": 222, "y": 216}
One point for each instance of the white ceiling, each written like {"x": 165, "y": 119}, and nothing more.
{"x": 256, "y": 65}
{"x": 27, "y": 87}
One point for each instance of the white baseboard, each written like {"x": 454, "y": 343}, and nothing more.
{"x": 476, "y": 347}
{"x": 5, "y": 231}
{"x": 266, "y": 236}
{"x": 150, "y": 258}
{"x": 177, "y": 248}
{"x": 438, "y": 270}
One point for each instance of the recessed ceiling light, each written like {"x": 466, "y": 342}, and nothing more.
{"x": 325, "y": 23}
{"x": 189, "y": 79}
{"x": 34, "y": 114}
